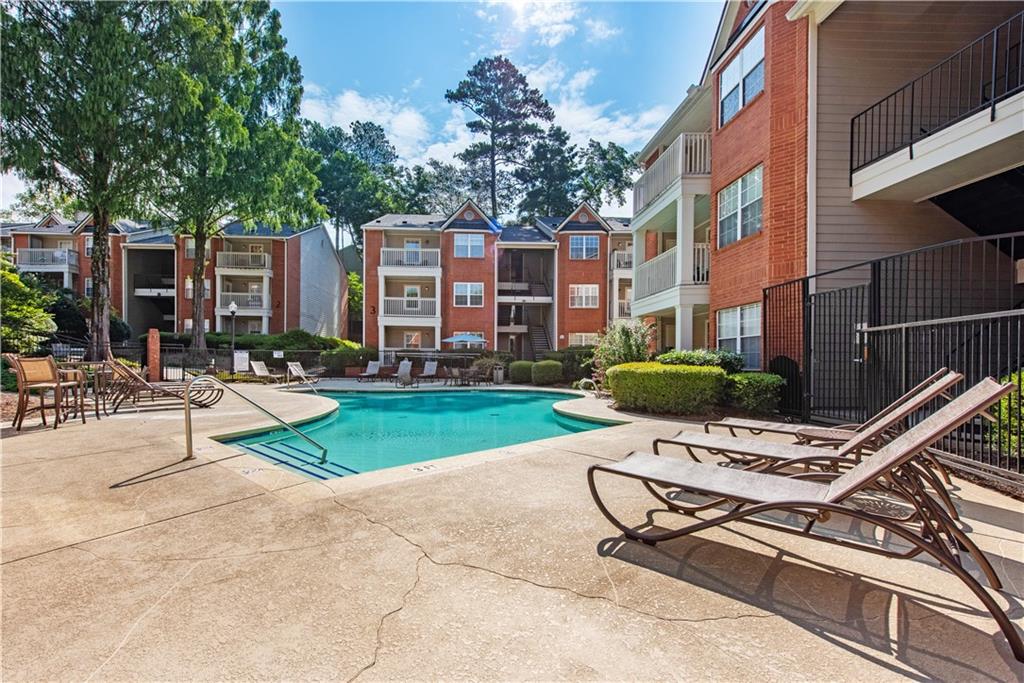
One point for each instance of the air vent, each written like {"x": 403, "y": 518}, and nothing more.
{"x": 584, "y": 218}
{"x": 469, "y": 215}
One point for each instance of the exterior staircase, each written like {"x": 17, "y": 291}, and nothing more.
{"x": 539, "y": 343}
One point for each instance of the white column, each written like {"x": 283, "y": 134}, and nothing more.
{"x": 639, "y": 242}
{"x": 67, "y": 279}
{"x": 266, "y": 324}
{"x": 437, "y": 337}
{"x": 684, "y": 327}
{"x": 265, "y": 288}
{"x": 684, "y": 241}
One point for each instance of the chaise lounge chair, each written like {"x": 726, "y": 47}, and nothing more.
{"x": 816, "y": 496}
{"x": 259, "y": 368}
{"x": 295, "y": 369}
{"x": 429, "y": 373}
{"x": 128, "y": 384}
{"x": 372, "y": 372}
{"x": 404, "y": 378}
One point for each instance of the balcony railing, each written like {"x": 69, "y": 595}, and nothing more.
{"x": 153, "y": 281}
{"x": 623, "y": 311}
{"x": 417, "y": 258}
{"x": 622, "y": 259}
{"x": 47, "y": 257}
{"x": 244, "y": 300}
{"x": 978, "y": 76}
{"x": 659, "y": 273}
{"x": 689, "y": 154}
{"x": 243, "y": 259}
{"x": 396, "y": 305}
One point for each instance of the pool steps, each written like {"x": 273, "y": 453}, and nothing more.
{"x": 298, "y": 460}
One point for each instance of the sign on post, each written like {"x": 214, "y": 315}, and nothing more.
{"x": 240, "y": 362}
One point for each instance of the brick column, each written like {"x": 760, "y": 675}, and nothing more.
{"x": 153, "y": 354}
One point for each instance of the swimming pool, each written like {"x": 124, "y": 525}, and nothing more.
{"x": 371, "y": 431}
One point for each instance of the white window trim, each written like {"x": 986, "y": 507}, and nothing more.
{"x": 585, "y": 239}
{"x": 740, "y": 60}
{"x": 738, "y": 311}
{"x": 88, "y": 286}
{"x": 469, "y": 295}
{"x": 583, "y": 338}
{"x": 471, "y": 241}
{"x": 410, "y": 333}
{"x": 740, "y": 206}
{"x": 466, "y": 345}
{"x": 88, "y": 246}
{"x": 578, "y": 299}
{"x": 411, "y": 302}
{"x": 190, "y": 247}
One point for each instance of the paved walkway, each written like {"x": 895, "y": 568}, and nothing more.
{"x": 122, "y": 563}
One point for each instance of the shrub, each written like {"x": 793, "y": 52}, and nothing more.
{"x": 546, "y": 372}
{"x": 336, "y": 360}
{"x": 1007, "y": 429}
{"x": 576, "y": 361}
{"x": 521, "y": 372}
{"x": 486, "y": 364}
{"x": 625, "y": 341}
{"x": 755, "y": 392}
{"x": 658, "y": 388}
{"x": 8, "y": 380}
{"x": 730, "y": 361}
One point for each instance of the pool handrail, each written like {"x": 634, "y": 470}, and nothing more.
{"x": 207, "y": 378}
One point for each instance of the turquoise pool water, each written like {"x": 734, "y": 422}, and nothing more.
{"x": 371, "y": 431}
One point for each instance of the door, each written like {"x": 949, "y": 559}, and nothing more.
{"x": 255, "y": 295}
{"x": 256, "y": 256}
{"x": 412, "y": 297}
{"x": 412, "y": 252}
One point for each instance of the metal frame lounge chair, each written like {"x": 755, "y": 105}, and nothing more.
{"x": 128, "y": 384}
{"x": 404, "y": 378}
{"x": 295, "y": 369}
{"x": 429, "y": 373}
{"x": 259, "y": 368}
{"x": 817, "y": 496}
{"x": 372, "y": 372}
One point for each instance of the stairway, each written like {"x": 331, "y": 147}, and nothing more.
{"x": 539, "y": 341}
{"x": 297, "y": 460}
{"x": 538, "y": 289}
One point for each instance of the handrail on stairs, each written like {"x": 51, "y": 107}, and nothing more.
{"x": 213, "y": 380}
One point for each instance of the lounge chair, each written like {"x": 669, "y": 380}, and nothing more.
{"x": 817, "y": 496}
{"x": 295, "y": 369}
{"x": 259, "y": 368}
{"x": 429, "y": 371}
{"x": 404, "y": 378}
{"x": 372, "y": 372}
{"x": 804, "y": 433}
{"x": 42, "y": 376}
{"x": 128, "y": 384}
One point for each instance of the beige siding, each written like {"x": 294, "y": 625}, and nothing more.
{"x": 866, "y": 50}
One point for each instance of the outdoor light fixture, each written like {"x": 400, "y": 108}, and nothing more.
{"x": 233, "y": 309}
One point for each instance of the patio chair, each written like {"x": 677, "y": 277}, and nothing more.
{"x": 127, "y": 384}
{"x": 372, "y": 372}
{"x": 295, "y": 369}
{"x": 429, "y": 373}
{"x": 404, "y": 378}
{"x": 259, "y": 368}
{"x": 452, "y": 377}
{"x": 815, "y": 497}
{"x": 43, "y": 377}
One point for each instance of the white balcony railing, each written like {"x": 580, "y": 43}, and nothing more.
{"x": 396, "y": 305}
{"x": 244, "y": 300}
{"x": 622, "y": 259}
{"x": 416, "y": 258}
{"x": 689, "y": 154}
{"x": 243, "y": 259}
{"x": 659, "y": 273}
{"x": 623, "y": 311}
{"x": 47, "y": 257}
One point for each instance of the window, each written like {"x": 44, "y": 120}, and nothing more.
{"x": 255, "y": 327}
{"x": 469, "y": 294}
{"x": 88, "y": 286}
{"x": 582, "y": 338}
{"x": 189, "y": 288}
{"x": 739, "y": 208}
{"x": 739, "y": 330}
{"x": 469, "y": 246}
{"x": 583, "y": 247}
{"x": 742, "y": 79}
{"x": 412, "y": 297}
{"x": 188, "y": 324}
{"x": 190, "y": 247}
{"x": 412, "y": 252}
{"x": 583, "y": 296}
{"x": 411, "y": 340}
{"x": 466, "y": 345}
{"x": 88, "y": 246}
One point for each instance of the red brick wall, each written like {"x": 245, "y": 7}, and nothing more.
{"x": 373, "y": 241}
{"x": 469, "y": 270}
{"x": 571, "y": 272}
{"x": 771, "y": 130}
{"x": 650, "y": 245}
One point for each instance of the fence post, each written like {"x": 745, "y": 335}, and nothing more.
{"x": 153, "y": 354}
{"x": 805, "y": 365}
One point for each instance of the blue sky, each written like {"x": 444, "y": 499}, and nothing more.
{"x": 613, "y": 71}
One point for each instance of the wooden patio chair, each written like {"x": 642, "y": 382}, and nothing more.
{"x": 41, "y": 376}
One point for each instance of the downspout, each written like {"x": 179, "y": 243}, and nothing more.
{"x": 812, "y": 149}
{"x": 284, "y": 327}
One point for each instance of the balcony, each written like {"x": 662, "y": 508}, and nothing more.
{"x": 689, "y": 154}
{"x": 623, "y": 310}
{"x": 244, "y": 300}
{"x": 153, "y": 285}
{"x": 47, "y": 259}
{"x": 659, "y": 273}
{"x": 944, "y": 128}
{"x": 622, "y": 260}
{"x": 410, "y": 307}
{"x": 412, "y": 258}
{"x": 243, "y": 259}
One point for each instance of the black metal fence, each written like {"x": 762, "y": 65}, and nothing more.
{"x": 978, "y": 76}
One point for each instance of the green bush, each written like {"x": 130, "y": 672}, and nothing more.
{"x": 336, "y": 360}
{"x": 658, "y": 388}
{"x": 546, "y": 372}
{"x": 755, "y": 392}
{"x": 625, "y": 341}
{"x": 8, "y": 380}
{"x": 730, "y": 361}
{"x": 521, "y": 372}
{"x": 576, "y": 361}
{"x": 292, "y": 340}
{"x": 486, "y": 364}
{"x": 1008, "y": 429}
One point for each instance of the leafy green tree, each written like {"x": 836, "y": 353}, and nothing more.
{"x": 355, "y": 295}
{"x": 237, "y": 154}
{"x": 551, "y": 177}
{"x": 40, "y": 199}
{"x": 369, "y": 142}
{"x": 607, "y": 173}
{"x": 90, "y": 97}
{"x": 24, "y": 320}
{"x": 508, "y": 111}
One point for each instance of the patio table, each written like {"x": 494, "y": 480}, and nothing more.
{"x": 99, "y": 371}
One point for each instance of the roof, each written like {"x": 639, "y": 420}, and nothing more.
{"x": 238, "y": 229}
{"x": 156, "y": 238}
{"x": 471, "y": 217}
{"x": 414, "y": 221}
{"x": 618, "y": 224}
{"x": 351, "y": 259}
{"x": 524, "y": 233}
{"x": 50, "y": 229}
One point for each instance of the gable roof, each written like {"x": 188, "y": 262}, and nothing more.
{"x": 532, "y": 234}
{"x": 408, "y": 221}
{"x": 238, "y": 229}
{"x": 470, "y": 217}
{"x": 583, "y": 219}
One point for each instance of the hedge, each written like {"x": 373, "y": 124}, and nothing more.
{"x": 336, "y": 360}
{"x": 547, "y": 372}
{"x": 755, "y": 392}
{"x": 576, "y": 361}
{"x": 521, "y": 372}
{"x": 297, "y": 339}
{"x": 730, "y": 361}
{"x": 1008, "y": 429}
{"x": 659, "y": 388}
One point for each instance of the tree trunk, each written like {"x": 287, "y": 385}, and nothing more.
{"x": 198, "y": 292}
{"x": 99, "y": 342}
{"x": 494, "y": 180}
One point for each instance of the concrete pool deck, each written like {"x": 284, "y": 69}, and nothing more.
{"x": 122, "y": 563}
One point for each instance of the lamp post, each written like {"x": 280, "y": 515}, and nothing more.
{"x": 233, "y": 309}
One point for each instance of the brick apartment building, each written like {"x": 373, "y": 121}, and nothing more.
{"x": 823, "y": 134}
{"x": 277, "y": 281}
{"x": 525, "y": 289}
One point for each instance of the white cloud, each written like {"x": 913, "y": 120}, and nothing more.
{"x": 579, "y": 82}
{"x": 546, "y": 77}
{"x": 10, "y": 185}
{"x": 454, "y": 138}
{"x": 599, "y": 29}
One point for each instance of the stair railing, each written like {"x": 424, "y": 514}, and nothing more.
{"x": 207, "y": 379}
